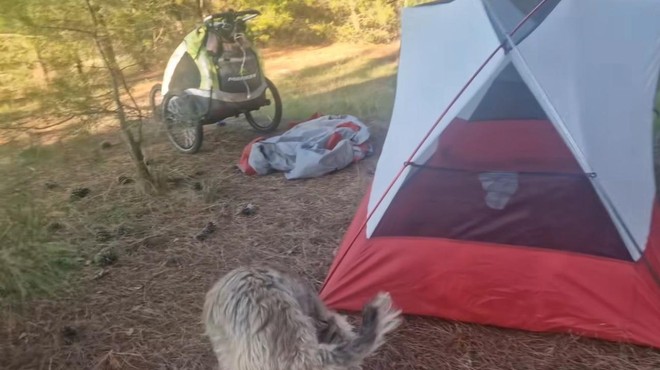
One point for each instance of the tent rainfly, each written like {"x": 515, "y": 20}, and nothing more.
{"x": 515, "y": 187}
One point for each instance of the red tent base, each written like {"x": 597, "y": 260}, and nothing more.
{"x": 508, "y": 286}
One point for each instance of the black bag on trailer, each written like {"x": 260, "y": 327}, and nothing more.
{"x": 238, "y": 69}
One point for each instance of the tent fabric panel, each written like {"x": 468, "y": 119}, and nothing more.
{"x": 429, "y": 78}
{"x": 522, "y": 288}
{"x": 602, "y": 92}
{"x": 554, "y": 212}
{"x": 513, "y": 145}
{"x": 550, "y": 203}
{"x": 505, "y": 15}
{"x": 507, "y": 98}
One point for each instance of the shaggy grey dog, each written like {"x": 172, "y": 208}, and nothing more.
{"x": 263, "y": 319}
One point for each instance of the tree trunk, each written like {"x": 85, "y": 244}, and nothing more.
{"x": 355, "y": 17}
{"x": 200, "y": 8}
{"x": 79, "y": 64}
{"x": 41, "y": 61}
{"x": 141, "y": 58}
{"x": 105, "y": 48}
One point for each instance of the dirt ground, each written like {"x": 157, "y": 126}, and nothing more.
{"x": 143, "y": 311}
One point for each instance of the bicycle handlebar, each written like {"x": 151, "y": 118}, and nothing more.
{"x": 231, "y": 14}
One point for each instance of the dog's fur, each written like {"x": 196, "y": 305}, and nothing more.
{"x": 263, "y": 319}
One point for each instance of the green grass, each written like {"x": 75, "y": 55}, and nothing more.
{"x": 31, "y": 261}
{"x": 359, "y": 86}
{"x": 10, "y": 110}
{"x": 35, "y": 260}
{"x": 43, "y": 235}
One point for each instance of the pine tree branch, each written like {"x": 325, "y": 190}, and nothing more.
{"x": 69, "y": 29}
{"x": 62, "y": 121}
{"x": 107, "y": 53}
{"x": 23, "y": 35}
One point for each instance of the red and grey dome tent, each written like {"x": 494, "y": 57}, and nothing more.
{"x": 515, "y": 186}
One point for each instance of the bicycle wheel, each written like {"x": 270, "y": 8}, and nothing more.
{"x": 267, "y": 118}
{"x": 155, "y": 100}
{"x": 184, "y": 130}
